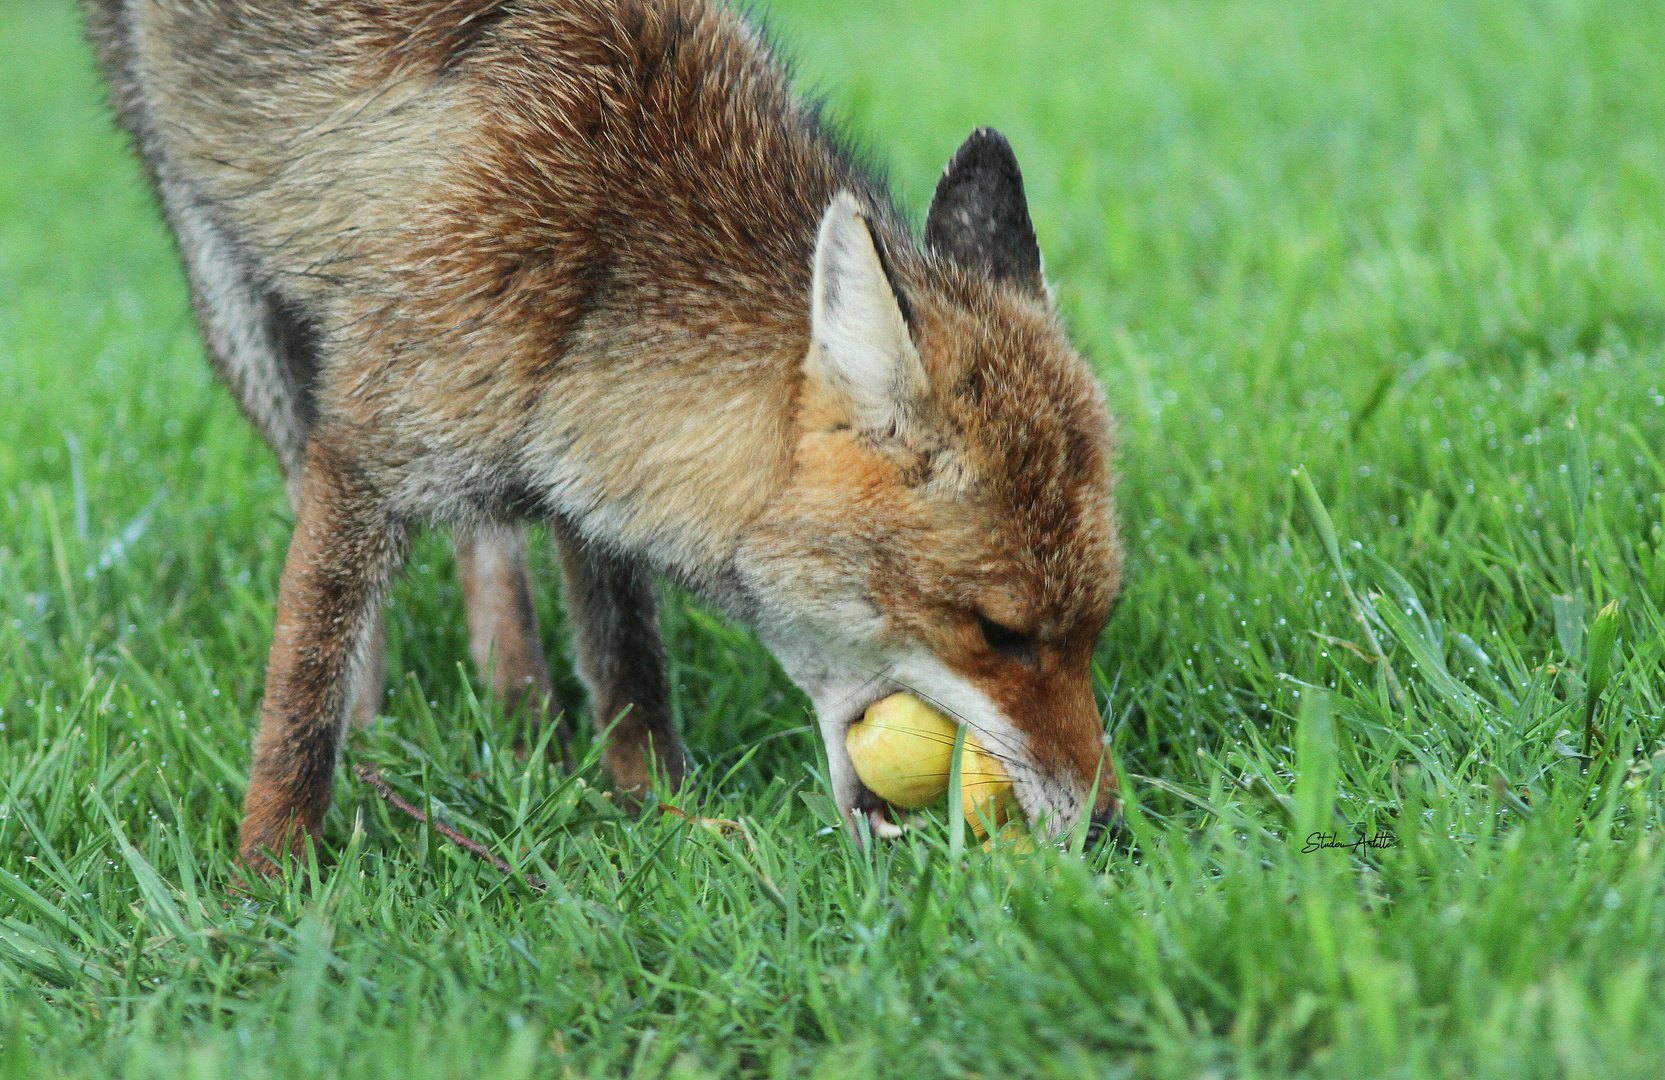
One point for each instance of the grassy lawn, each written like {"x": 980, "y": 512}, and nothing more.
{"x": 1415, "y": 248}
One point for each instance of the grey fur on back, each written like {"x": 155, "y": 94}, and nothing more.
{"x": 264, "y": 349}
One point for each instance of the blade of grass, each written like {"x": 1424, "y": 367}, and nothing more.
{"x": 956, "y": 800}
{"x": 1598, "y": 666}
{"x": 1326, "y": 534}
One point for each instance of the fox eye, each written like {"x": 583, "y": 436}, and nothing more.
{"x": 1006, "y": 641}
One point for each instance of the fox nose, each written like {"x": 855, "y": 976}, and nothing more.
{"x": 1105, "y": 823}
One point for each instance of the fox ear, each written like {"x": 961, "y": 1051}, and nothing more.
{"x": 863, "y": 353}
{"x": 979, "y": 216}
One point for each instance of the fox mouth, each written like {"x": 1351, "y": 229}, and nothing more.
{"x": 880, "y": 815}
{"x": 882, "y": 818}
{"x": 885, "y": 819}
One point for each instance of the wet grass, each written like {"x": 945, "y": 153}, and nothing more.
{"x": 1414, "y": 250}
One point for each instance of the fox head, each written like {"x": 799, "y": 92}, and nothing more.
{"x": 948, "y": 527}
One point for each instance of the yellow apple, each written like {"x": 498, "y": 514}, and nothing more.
{"x": 1014, "y": 838}
{"x": 985, "y": 789}
{"x": 903, "y": 749}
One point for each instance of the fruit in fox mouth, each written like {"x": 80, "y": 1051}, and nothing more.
{"x": 903, "y": 750}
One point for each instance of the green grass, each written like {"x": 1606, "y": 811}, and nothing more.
{"x": 1417, "y": 247}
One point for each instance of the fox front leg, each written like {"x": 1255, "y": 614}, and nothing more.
{"x": 370, "y": 683}
{"x": 621, "y": 659}
{"x": 341, "y": 559}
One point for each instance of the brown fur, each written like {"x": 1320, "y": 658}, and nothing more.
{"x": 342, "y": 556}
{"x": 474, "y": 263}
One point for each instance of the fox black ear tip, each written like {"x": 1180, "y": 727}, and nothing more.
{"x": 984, "y": 148}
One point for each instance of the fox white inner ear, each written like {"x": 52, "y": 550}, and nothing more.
{"x": 863, "y": 354}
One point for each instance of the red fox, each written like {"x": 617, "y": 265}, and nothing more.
{"x": 480, "y": 263}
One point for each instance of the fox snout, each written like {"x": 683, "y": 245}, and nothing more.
{"x": 1038, "y": 716}
{"x": 1041, "y": 734}
{"x": 1066, "y": 775}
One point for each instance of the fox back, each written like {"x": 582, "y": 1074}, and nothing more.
{"x": 592, "y": 263}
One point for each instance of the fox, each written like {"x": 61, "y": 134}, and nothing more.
{"x": 480, "y": 265}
